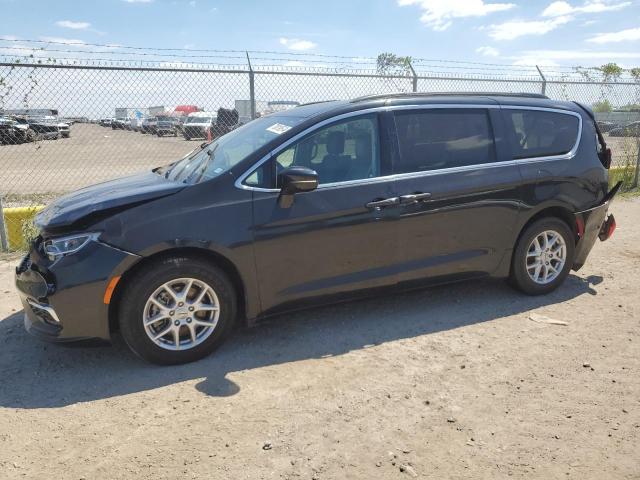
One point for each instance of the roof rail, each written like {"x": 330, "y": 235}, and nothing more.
{"x": 447, "y": 94}
{"x": 314, "y": 103}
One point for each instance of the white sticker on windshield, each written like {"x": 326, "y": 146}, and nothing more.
{"x": 278, "y": 128}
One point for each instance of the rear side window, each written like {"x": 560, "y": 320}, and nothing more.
{"x": 443, "y": 138}
{"x": 538, "y": 133}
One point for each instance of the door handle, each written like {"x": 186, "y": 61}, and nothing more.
{"x": 385, "y": 202}
{"x": 414, "y": 198}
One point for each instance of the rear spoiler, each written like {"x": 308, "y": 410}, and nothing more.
{"x": 605, "y": 155}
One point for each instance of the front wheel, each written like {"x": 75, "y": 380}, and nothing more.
{"x": 177, "y": 310}
{"x": 543, "y": 257}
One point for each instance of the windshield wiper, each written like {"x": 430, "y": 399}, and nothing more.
{"x": 205, "y": 165}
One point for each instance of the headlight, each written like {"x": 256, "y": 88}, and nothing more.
{"x": 61, "y": 246}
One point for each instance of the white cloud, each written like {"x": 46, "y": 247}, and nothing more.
{"x": 551, "y": 57}
{"x": 297, "y": 44}
{"x": 439, "y": 14}
{"x": 622, "y": 36}
{"x": 560, "y": 8}
{"x": 73, "y": 25}
{"x": 488, "y": 51}
{"x": 518, "y": 28}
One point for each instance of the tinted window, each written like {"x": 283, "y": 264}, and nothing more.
{"x": 443, "y": 138}
{"x": 340, "y": 152}
{"x": 536, "y": 133}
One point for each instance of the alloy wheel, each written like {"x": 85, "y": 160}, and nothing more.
{"x": 546, "y": 256}
{"x": 181, "y": 314}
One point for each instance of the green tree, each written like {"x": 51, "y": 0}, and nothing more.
{"x": 602, "y": 106}
{"x": 392, "y": 64}
{"x": 611, "y": 72}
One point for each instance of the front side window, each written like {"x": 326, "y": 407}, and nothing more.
{"x": 438, "y": 138}
{"x": 539, "y": 133}
{"x": 344, "y": 151}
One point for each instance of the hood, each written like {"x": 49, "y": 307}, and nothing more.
{"x": 114, "y": 194}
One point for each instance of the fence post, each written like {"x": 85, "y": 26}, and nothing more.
{"x": 544, "y": 81}
{"x": 252, "y": 89}
{"x": 4, "y": 244}
{"x": 414, "y": 79}
{"x": 635, "y": 176}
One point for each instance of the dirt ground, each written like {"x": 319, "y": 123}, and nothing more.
{"x": 448, "y": 383}
{"x": 93, "y": 154}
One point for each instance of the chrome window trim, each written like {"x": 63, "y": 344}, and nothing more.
{"x": 399, "y": 176}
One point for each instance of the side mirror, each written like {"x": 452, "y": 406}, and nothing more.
{"x": 294, "y": 180}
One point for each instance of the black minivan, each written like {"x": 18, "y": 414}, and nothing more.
{"x": 316, "y": 204}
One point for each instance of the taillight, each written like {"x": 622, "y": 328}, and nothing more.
{"x": 607, "y": 229}
{"x": 580, "y": 227}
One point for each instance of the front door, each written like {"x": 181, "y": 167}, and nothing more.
{"x": 331, "y": 240}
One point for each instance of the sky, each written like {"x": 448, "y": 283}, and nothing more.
{"x": 544, "y": 32}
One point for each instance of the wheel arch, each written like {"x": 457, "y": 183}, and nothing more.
{"x": 553, "y": 211}
{"x": 210, "y": 256}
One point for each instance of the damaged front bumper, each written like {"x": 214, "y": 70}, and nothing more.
{"x": 63, "y": 300}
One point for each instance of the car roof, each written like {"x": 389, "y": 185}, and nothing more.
{"x": 342, "y": 106}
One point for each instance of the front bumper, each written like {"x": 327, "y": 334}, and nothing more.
{"x": 64, "y": 300}
{"x": 195, "y": 132}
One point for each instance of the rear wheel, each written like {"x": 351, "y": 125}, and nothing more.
{"x": 543, "y": 256}
{"x": 177, "y": 310}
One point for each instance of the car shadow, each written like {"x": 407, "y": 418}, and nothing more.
{"x": 40, "y": 375}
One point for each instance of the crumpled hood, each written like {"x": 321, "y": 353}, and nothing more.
{"x": 75, "y": 206}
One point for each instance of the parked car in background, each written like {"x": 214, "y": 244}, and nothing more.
{"x": 149, "y": 125}
{"x": 606, "y": 127}
{"x": 106, "y": 122}
{"x": 167, "y": 126}
{"x": 45, "y": 128}
{"x": 121, "y": 124}
{"x": 630, "y": 130}
{"x": 136, "y": 123}
{"x": 316, "y": 204}
{"x": 15, "y": 130}
{"x": 226, "y": 120}
{"x": 197, "y": 124}
{"x": 64, "y": 129}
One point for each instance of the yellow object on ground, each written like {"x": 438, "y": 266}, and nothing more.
{"x": 17, "y": 221}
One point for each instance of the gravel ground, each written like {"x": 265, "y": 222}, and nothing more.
{"x": 93, "y": 154}
{"x": 453, "y": 382}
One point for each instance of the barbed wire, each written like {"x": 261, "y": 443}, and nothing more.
{"x": 257, "y": 53}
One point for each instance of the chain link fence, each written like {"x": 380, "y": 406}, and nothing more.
{"x": 64, "y": 126}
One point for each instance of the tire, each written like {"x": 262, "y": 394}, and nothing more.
{"x": 159, "y": 134}
{"x": 134, "y": 305}
{"x": 520, "y": 277}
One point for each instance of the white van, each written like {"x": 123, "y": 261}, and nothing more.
{"x": 197, "y": 123}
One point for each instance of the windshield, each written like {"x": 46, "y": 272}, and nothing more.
{"x": 227, "y": 151}
{"x": 198, "y": 120}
